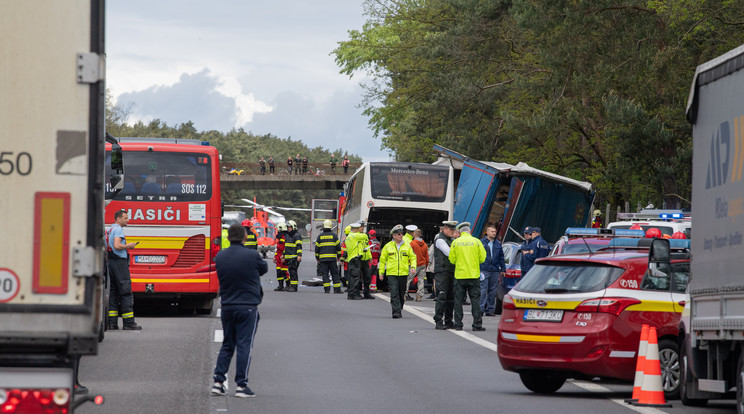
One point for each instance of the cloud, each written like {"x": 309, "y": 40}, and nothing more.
{"x": 209, "y": 101}
{"x": 219, "y": 103}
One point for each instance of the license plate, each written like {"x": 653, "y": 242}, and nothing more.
{"x": 549, "y": 315}
{"x": 149, "y": 259}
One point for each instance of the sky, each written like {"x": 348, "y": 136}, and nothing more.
{"x": 265, "y": 67}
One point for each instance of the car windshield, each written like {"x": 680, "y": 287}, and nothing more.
{"x": 568, "y": 278}
{"x": 581, "y": 247}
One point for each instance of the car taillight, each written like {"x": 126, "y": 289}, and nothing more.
{"x": 508, "y": 303}
{"x": 46, "y": 401}
{"x": 614, "y": 306}
{"x": 513, "y": 273}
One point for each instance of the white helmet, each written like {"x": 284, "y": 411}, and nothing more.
{"x": 281, "y": 226}
{"x": 327, "y": 224}
{"x": 292, "y": 223}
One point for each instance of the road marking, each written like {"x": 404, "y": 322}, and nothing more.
{"x": 589, "y": 386}
{"x": 470, "y": 337}
{"x": 218, "y": 336}
{"x": 219, "y": 312}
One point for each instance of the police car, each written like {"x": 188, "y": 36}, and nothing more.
{"x": 580, "y": 316}
{"x": 668, "y": 222}
{"x": 587, "y": 240}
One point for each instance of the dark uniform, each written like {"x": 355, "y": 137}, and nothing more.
{"x": 121, "y": 301}
{"x": 327, "y": 253}
{"x": 537, "y": 248}
{"x": 444, "y": 279}
{"x": 292, "y": 251}
{"x": 250, "y": 239}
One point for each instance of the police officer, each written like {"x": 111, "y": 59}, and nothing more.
{"x": 525, "y": 247}
{"x": 537, "y": 248}
{"x": 467, "y": 253}
{"x": 327, "y": 253}
{"x": 444, "y": 276}
{"x": 397, "y": 261}
{"x": 121, "y": 300}
{"x": 355, "y": 242}
{"x": 225, "y": 242}
{"x": 251, "y": 241}
{"x": 292, "y": 253}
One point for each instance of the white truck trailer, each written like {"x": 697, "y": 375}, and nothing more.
{"x": 51, "y": 176}
{"x": 712, "y": 329}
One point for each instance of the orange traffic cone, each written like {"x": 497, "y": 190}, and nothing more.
{"x": 640, "y": 365}
{"x": 652, "y": 391}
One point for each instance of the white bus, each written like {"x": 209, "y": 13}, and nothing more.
{"x": 383, "y": 194}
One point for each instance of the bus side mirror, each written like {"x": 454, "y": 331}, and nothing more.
{"x": 659, "y": 258}
{"x": 116, "y": 179}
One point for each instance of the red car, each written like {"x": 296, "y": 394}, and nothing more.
{"x": 580, "y": 316}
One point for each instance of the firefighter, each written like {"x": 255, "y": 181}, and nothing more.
{"x": 292, "y": 253}
{"x": 328, "y": 253}
{"x": 345, "y": 267}
{"x": 251, "y": 241}
{"x": 397, "y": 261}
{"x": 281, "y": 271}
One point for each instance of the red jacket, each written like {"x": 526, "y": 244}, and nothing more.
{"x": 422, "y": 252}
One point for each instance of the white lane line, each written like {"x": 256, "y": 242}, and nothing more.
{"x": 428, "y": 318}
{"x": 218, "y": 335}
{"x": 219, "y": 312}
{"x": 589, "y": 386}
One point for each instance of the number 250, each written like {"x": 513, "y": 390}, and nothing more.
{"x": 22, "y": 163}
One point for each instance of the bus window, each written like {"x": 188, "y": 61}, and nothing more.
{"x": 165, "y": 176}
{"x": 424, "y": 184}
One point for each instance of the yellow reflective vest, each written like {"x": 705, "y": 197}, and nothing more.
{"x": 467, "y": 253}
{"x": 225, "y": 242}
{"x": 355, "y": 245}
{"x": 395, "y": 261}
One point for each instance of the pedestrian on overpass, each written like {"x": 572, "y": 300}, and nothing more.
{"x": 328, "y": 253}
{"x": 121, "y": 301}
{"x": 397, "y": 262}
{"x": 444, "y": 277}
{"x": 304, "y": 165}
{"x": 334, "y": 161}
{"x": 467, "y": 253}
{"x": 345, "y": 164}
{"x": 271, "y": 165}
{"x": 297, "y": 164}
{"x": 238, "y": 270}
{"x": 292, "y": 254}
{"x": 262, "y": 165}
{"x": 289, "y": 165}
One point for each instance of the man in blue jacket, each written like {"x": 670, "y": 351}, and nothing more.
{"x": 537, "y": 248}
{"x": 238, "y": 270}
{"x": 492, "y": 270}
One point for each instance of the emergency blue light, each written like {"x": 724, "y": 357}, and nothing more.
{"x": 621, "y": 242}
{"x": 670, "y": 215}
{"x": 629, "y": 233}
{"x": 581, "y": 231}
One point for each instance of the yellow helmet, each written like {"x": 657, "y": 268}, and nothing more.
{"x": 347, "y": 230}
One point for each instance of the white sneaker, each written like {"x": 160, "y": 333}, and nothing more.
{"x": 244, "y": 392}
{"x": 219, "y": 389}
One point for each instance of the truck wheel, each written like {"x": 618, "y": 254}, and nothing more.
{"x": 670, "y": 368}
{"x": 685, "y": 380}
{"x": 542, "y": 382}
{"x": 740, "y": 385}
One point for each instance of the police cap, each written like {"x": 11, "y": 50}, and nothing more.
{"x": 528, "y": 230}
{"x": 411, "y": 227}
{"x": 450, "y": 224}
{"x": 463, "y": 224}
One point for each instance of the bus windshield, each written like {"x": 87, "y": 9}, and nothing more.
{"x": 165, "y": 176}
{"x": 422, "y": 183}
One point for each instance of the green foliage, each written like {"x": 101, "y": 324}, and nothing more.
{"x": 594, "y": 90}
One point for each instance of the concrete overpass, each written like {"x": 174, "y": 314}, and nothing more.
{"x": 283, "y": 182}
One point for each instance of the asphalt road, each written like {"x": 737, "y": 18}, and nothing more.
{"x": 321, "y": 353}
